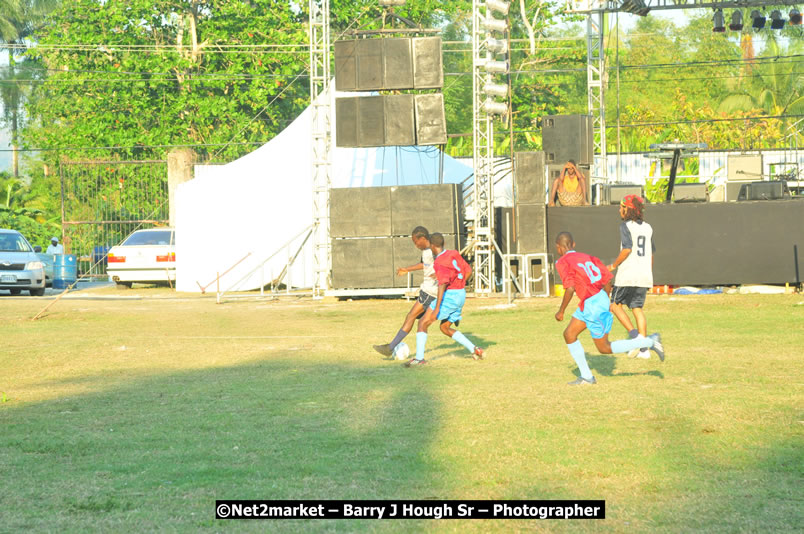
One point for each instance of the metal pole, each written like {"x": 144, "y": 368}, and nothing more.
{"x": 508, "y": 251}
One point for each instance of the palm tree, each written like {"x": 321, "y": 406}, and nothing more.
{"x": 19, "y": 19}
{"x": 10, "y": 13}
{"x": 776, "y": 87}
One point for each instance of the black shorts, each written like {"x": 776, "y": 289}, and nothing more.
{"x": 425, "y": 300}
{"x": 633, "y": 297}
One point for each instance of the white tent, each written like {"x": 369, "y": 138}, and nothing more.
{"x": 252, "y": 207}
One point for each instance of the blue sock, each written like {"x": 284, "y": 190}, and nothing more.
{"x": 460, "y": 338}
{"x": 633, "y": 333}
{"x": 625, "y": 345}
{"x": 421, "y": 341}
{"x": 398, "y": 339}
{"x": 577, "y": 353}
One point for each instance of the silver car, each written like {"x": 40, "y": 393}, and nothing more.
{"x": 20, "y": 267}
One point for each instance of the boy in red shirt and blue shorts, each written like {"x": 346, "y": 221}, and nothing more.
{"x": 452, "y": 271}
{"x": 588, "y": 277}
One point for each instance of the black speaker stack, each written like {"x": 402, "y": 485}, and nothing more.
{"x": 568, "y": 137}
{"x": 531, "y": 211}
{"x": 370, "y": 229}
{"x": 386, "y": 64}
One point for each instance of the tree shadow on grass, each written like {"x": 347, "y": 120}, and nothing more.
{"x": 156, "y": 452}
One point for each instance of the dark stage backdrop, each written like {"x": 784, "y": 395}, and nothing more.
{"x": 701, "y": 243}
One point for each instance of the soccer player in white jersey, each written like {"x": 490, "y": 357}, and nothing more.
{"x": 634, "y": 266}
{"x": 428, "y": 290}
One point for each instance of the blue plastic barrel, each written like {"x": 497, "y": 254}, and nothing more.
{"x": 65, "y": 271}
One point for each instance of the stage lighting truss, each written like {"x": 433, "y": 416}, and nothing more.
{"x": 499, "y": 6}
{"x": 497, "y": 46}
{"x": 492, "y": 107}
{"x": 795, "y": 17}
{"x": 495, "y": 25}
{"x": 736, "y": 21}
{"x": 497, "y": 67}
{"x": 777, "y": 22}
{"x": 637, "y": 7}
{"x": 757, "y": 19}
{"x": 718, "y": 23}
{"x": 496, "y": 89}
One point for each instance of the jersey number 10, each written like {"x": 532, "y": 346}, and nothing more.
{"x": 591, "y": 271}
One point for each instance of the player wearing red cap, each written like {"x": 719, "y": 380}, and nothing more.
{"x": 634, "y": 267}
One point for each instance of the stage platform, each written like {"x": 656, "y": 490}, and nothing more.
{"x": 707, "y": 243}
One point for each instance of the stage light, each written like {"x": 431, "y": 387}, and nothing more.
{"x": 736, "y": 21}
{"x": 492, "y": 107}
{"x": 757, "y": 20}
{"x": 795, "y": 17}
{"x": 496, "y": 89}
{"x": 718, "y": 23}
{"x": 389, "y": 3}
{"x": 777, "y": 22}
{"x": 492, "y": 24}
{"x": 497, "y": 46}
{"x": 637, "y": 7}
{"x": 500, "y": 6}
{"x": 499, "y": 67}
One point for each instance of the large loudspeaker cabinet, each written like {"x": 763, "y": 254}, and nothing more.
{"x": 400, "y": 121}
{"x": 690, "y": 193}
{"x": 529, "y": 175}
{"x": 531, "y": 225}
{"x": 617, "y": 192}
{"x": 377, "y": 221}
{"x": 388, "y": 64}
{"x": 362, "y": 263}
{"x": 431, "y": 122}
{"x": 390, "y": 120}
{"x": 439, "y": 208}
{"x": 568, "y": 137}
{"x": 360, "y": 212}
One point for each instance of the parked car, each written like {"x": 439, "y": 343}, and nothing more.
{"x": 48, "y": 261}
{"x": 20, "y": 268}
{"x": 144, "y": 256}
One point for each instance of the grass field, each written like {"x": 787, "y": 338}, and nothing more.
{"x": 136, "y": 415}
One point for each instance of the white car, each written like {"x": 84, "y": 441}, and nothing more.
{"x": 147, "y": 256}
{"x": 20, "y": 268}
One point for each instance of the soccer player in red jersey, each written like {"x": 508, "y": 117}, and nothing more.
{"x": 452, "y": 271}
{"x": 591, "y": 280}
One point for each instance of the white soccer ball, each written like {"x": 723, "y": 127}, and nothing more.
{"x": 401, "y": 351}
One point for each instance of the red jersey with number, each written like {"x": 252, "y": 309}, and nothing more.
{"x": 583, "y": 272}
{"x": 451, "y": 269}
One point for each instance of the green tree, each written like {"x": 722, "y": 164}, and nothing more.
{"x": 775, "y": 87}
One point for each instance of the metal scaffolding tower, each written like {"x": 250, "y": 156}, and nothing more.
{"x": 596, "y": 89}
{"x": 321, "y": 141}
{"x": 484, "y": 66}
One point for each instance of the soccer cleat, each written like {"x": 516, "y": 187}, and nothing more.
{"x": 385, "y": 350}
{"x": 414, "y": 362}
{"x": 580, "y": 381}
{"x": 478, "y": 354}
{"x": 657, "y": 347}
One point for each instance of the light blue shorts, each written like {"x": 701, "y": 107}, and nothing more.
{"x": 596, "y": 315}
{"x": 451, "y": 305}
